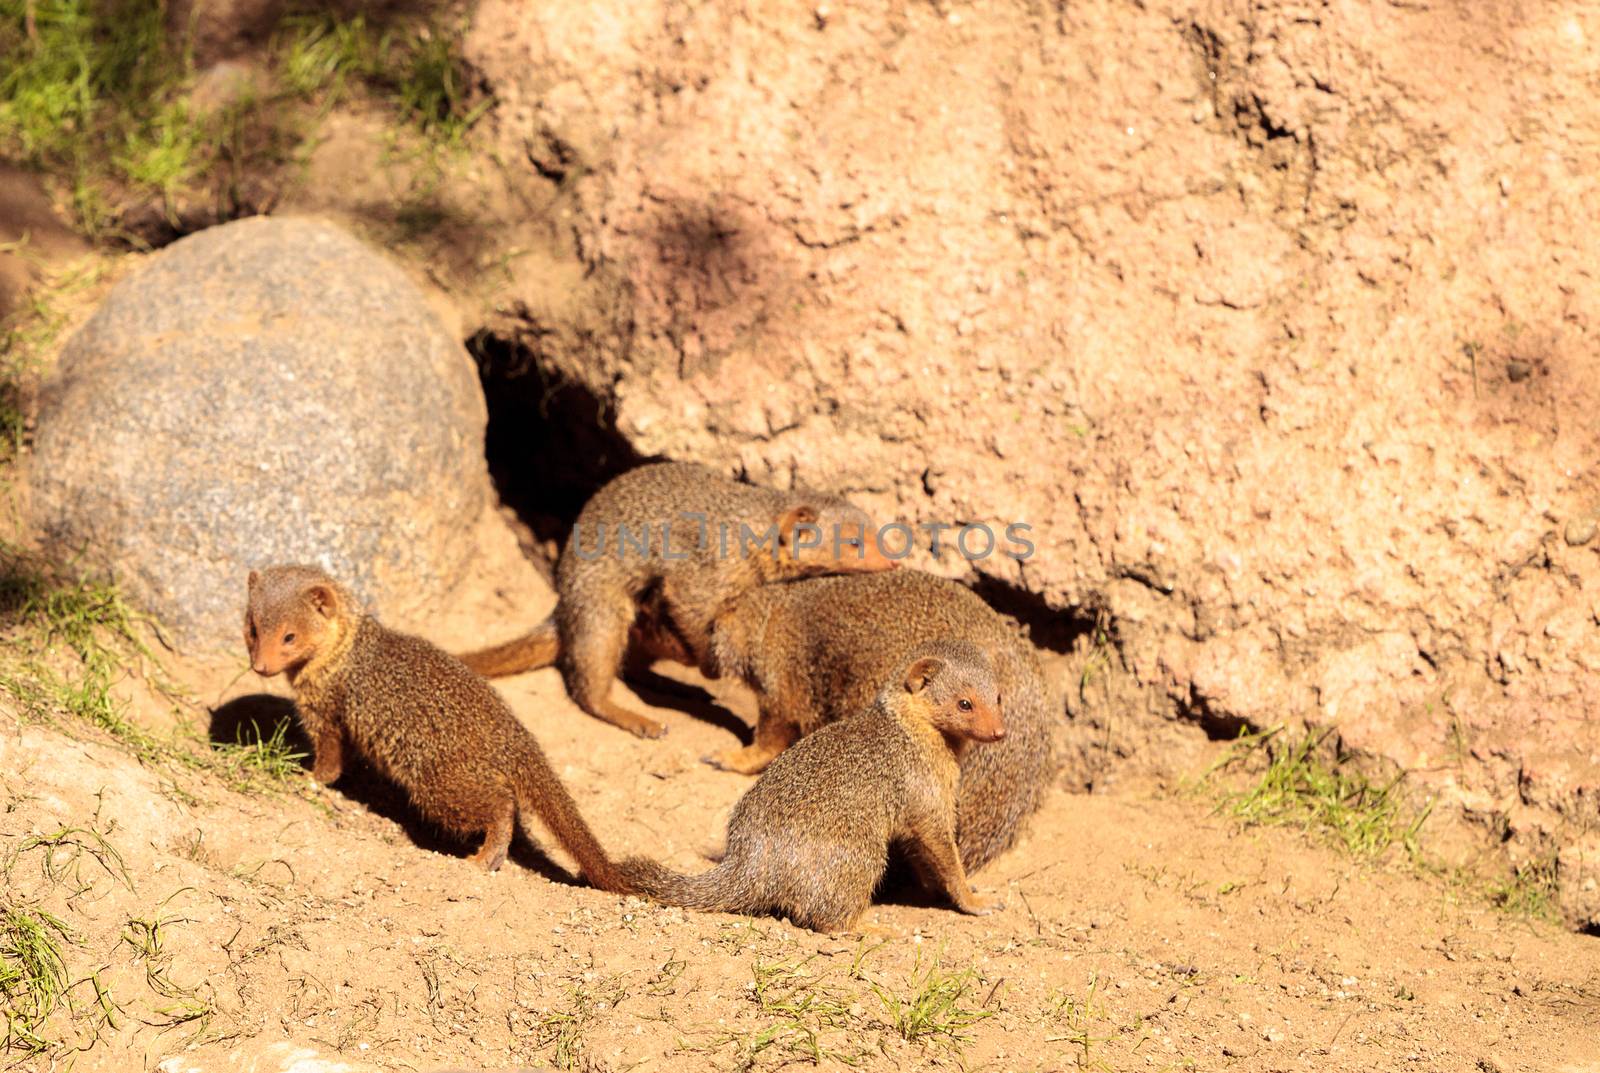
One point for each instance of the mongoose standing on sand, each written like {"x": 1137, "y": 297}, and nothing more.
{"x": 654, "y": 555}
{"x": 816, "y": 651}
{"x": 438, "y": 730}
{"x": 811, "y": 838}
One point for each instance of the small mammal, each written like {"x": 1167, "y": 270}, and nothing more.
{"x": 816, "y": 651}
{"x": 654, "y": 555}
{"x": 811, "y": 838}
{"x": 438, "y": 730}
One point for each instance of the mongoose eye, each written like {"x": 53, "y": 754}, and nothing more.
{"x": 288, "y": 638}
{"x": 964, "y": 704}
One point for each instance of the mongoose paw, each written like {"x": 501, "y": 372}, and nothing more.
{"x": 979, "y": 906}
{"x": 648, "y": 728}
{"x": 326, "y": 774}
{"x": 738, "y": 761}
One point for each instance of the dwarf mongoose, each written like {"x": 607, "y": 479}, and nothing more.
{"x": 438, "y": 730}
{"x": 654, "y": 555}
{"x": 816, "y": 651}
{"x": 811, "y": 838}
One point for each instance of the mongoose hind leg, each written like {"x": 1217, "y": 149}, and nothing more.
{"x": 591, "y": 663}
{"x": 773, "y": 736}
{"x": 497, "y": 839}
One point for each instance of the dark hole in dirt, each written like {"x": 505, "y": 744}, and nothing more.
{"x": 551, "y": 443}
{"x": 149, "y": 225}
{"x": 1216, "y": 725}
{"x": 1591, "y": 928}
{"x": 1051, "y": 629}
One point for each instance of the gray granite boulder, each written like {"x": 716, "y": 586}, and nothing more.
{"x": 271, "y": 390}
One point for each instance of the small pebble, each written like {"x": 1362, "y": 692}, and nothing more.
{"x": 1580, "y": 531}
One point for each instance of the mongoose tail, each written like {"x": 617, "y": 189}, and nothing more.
{"x": 713, "y": 891}
{"x": 540, "y": 792}
{"x": 535, "y": 649}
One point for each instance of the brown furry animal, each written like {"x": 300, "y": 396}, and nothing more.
{"x": 811, "y": 838}
{"x": 654, "y": 555}
{"x": 438, "y": 730}
{"x": 816, "y": 651}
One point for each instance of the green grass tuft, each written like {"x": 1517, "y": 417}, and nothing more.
{"x": 72, "y": 640}
{"x": 1306, "y": 785}
{"x": 90, "y": 624}
{"x": 803, "y": 1009}
{"x": 90, "y": 83}
{"x": 417, "y": 70}
{"x": 98, "y": 94}
{"x": 258, "y": 763}
{"x": 33, "y": 975}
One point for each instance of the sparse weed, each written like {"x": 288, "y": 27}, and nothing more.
{"x": 804, "y": 1008}
{"x": 1082, "y": 1024}
{"x": 563, "y": 1030}
{"x": 932, "y": 1007}
{"x": 1531, "y": 890}
{"x": 665, "y": 980}
{"x": 804, "y": 1018}
{"x": 63, "y": 853}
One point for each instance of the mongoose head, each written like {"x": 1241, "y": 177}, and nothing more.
{"x": 952, "y": 685}
{"x": 292, "y": 613}
{"x": 828, "y": 535}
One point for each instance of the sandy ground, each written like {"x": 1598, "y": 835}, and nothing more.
{"x": 1140, "y": 931}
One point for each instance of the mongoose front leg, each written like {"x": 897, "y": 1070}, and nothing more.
{"x": 497, "y": 839}
{"x": 941, "y": 863}
{"x": 591, "y": 663}
{"x": 327, "y": 752}
{"x": 775, "y": 732}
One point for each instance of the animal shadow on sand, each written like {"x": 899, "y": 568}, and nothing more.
{"x": 661, "y": 691}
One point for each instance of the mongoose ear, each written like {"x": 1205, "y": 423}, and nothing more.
{"x": 255, "y": 581}
{"x": 322, "y": 599}
{"x": 918, "y": 673}
{"x": 805, "y": 514}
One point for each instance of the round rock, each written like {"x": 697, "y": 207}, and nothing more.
{"x": 271, "y": 390}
